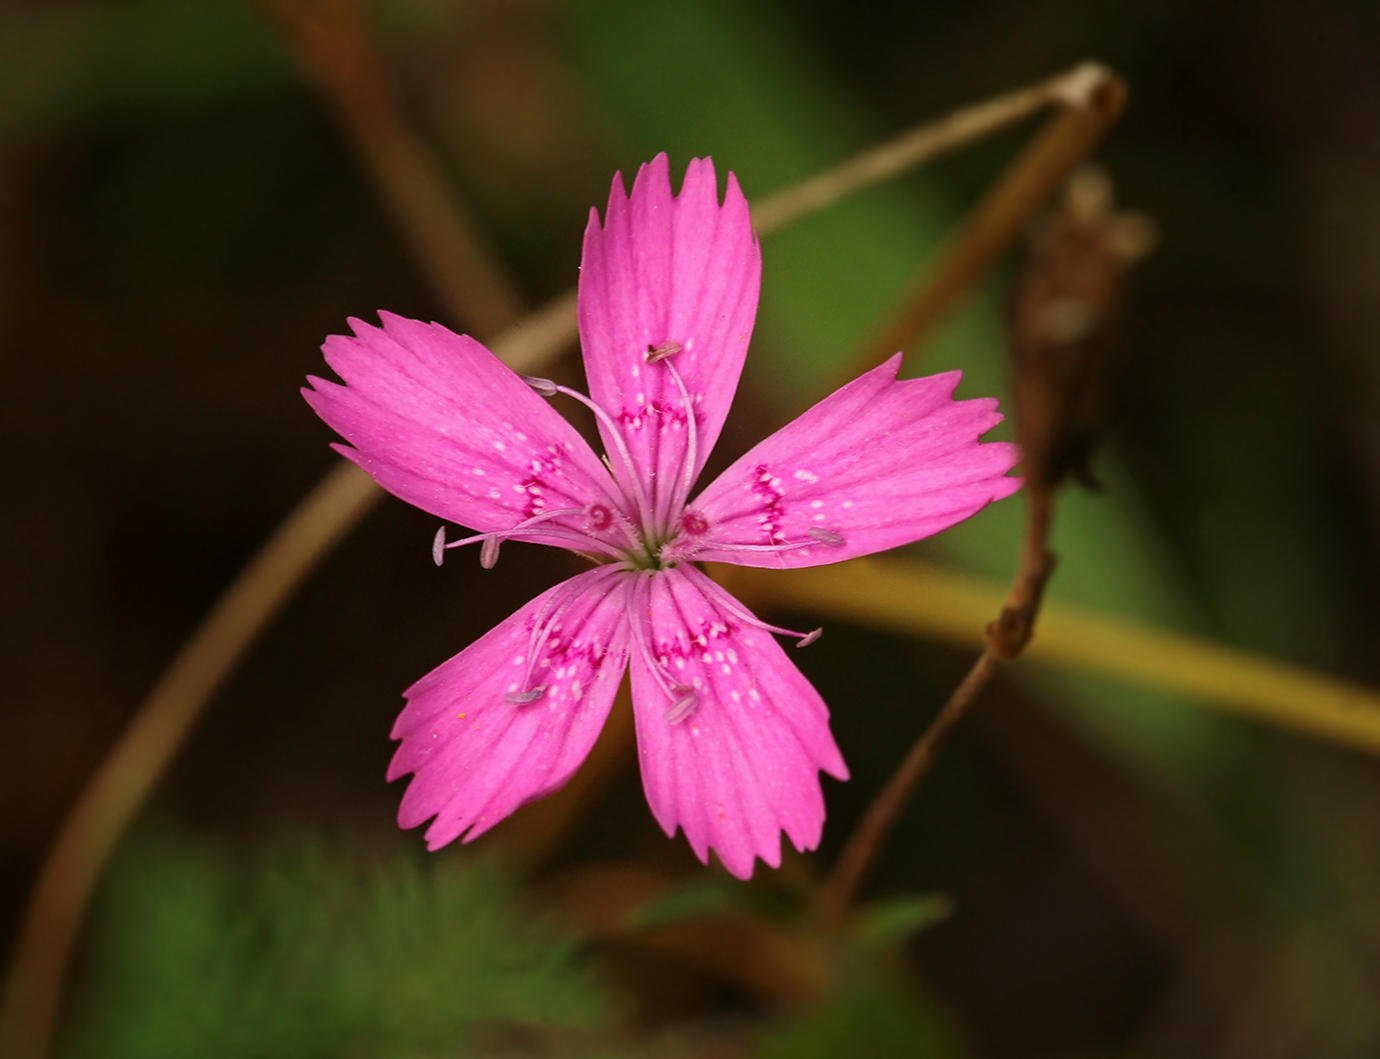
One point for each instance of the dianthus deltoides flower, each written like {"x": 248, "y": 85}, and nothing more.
{"x": 731, "y": 736}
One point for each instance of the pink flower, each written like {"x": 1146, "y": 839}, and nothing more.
{"x": 731, "y": 736}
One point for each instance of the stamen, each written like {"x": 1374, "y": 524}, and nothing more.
{"x": 639, "y": 497}
{"x": 438, "y": 546}
{"x": 825, "y": 536}
{"x": 727, "y": 603}
{"x": 684, "y": 706}
{"x": 493, "y": 539}
{"x": 683, "y": 697}
{"x": 488, "y": 551}
{"x": 545, "y": 387}
{"x": 550, "y": 611}
{"x": 789, "y": 546}
{"x": 661, "y": 352}
{"x": 687, "y": 476}
{"x": 522, "y": 698}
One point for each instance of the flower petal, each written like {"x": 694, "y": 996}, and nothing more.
{"x": 743, "y": 765}
{"x": 877, "y": 464}
{"x": 681, "y": 270}
{"x": 478, "y": 756}
{"x": 441, "y": 422}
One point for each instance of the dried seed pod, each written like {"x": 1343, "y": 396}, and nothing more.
{"x": 1064, "y": 307}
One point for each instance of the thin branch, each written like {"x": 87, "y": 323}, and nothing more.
{"x": 138, "y": 760}
{"x": 1092, "y": 100}
{"x": 924, "y": 143}
{"x": 913, "y": 598}
{"x": 332, "y": 42}
{"x": 1006, "y": 638}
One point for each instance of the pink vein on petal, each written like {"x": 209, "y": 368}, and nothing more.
{"x": 743, "y": 765}
{"x": 477, "y": 755}
{"x": 441, "y": 422}
{"x": 664, "y": 269}
{"x": 877, "y": 464}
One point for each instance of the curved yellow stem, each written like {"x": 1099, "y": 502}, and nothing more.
{"x": 924, "y": 599}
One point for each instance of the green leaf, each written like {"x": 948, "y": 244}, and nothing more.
{"x": 304, "y": 952}
{"x": 872, "y": 1016}
{"x": 890, "y": 922}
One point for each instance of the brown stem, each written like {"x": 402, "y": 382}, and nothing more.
{"x": 1006, "y": 638}
{"x": 331, "y": 40}
{"x": 924, "y": 143}
{"x": 136, "y": 762}
{"x": 1093, "y": 99}
{"x": 867, "y": 839}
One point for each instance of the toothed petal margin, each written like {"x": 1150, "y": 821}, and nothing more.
{"x": 442, "y": 423}
{"x": 476, "y": 756}
{"x": 877, "y": 464}
{"x": 744, "y": 765}
{"x": 661, "y": 269}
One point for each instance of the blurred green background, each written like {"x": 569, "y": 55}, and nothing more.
{"x": 181, "y": 224}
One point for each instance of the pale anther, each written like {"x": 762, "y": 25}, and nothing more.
{"x": 684, "y": 705}
{"x": 522, "y": 698}
{"x": 488, "y": 552}
{"x": 661, "y": 352}
{"x": 545, "y": 387}
{"x": 825, "y": 536}
{"x": 810, "y": 637}
{"x": 438, "y": 546}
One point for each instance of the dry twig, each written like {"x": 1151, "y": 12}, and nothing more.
{"x": 1078, "y": 262}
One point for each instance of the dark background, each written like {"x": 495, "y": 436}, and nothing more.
{"x": 181, "y": 224}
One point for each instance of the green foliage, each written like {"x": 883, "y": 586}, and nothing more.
{"x": 303, "y": 953}
{"x": 76, "y": 60}
{"x": 697, "y": 895}
{"x": 895, "y": 920}
{"x": 872, "y": 1016}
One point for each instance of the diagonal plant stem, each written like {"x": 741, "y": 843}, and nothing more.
{"x": 332, "y": 42}
{"x": 1091, "y": 99}
{"x": 915, "y": 598}
{"x": 330, "y": 39}
{"x": 1006, "y": 637}
{"x": 928, "y": 141}
{"x": 138, "y": 759}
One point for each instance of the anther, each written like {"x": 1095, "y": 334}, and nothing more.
{"x": 661, "y": 352}
{"x": 825, "y": 536}
{"x": 684, "y": 706}
{"x": 810, "y": 637}
{"x": 488, "y": 551}
{"x": 438, "y": 546}
{"x": 522, "y": 698}
{"x": 545, "y": 387}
